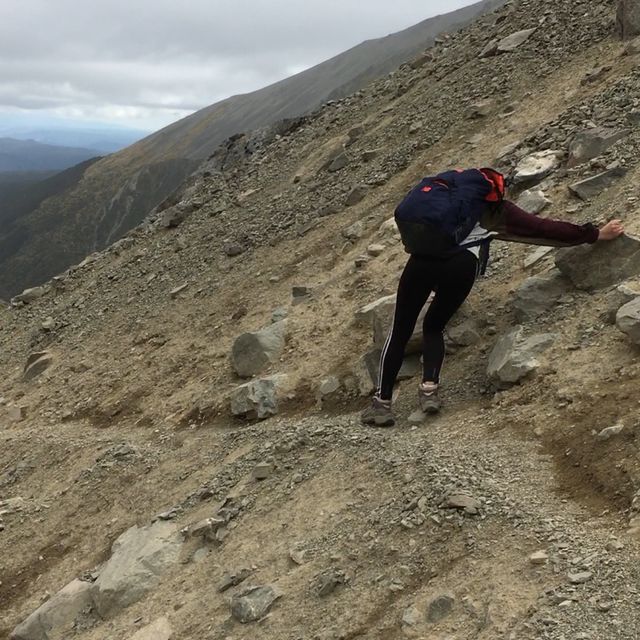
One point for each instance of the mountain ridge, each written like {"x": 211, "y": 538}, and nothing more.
{"x": 181, "y": 146}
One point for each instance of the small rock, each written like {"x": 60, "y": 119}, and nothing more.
{"x": 411, "y": 616}
{"x": 15, "y": 413}
{"x": 354, "y": 232}
{"x": 160, "y": 629}
{"x": 533, "y": 200}
{"x": 417, "y": 417}
{"x": 258, "y": 398}
{"x": 174, "y": 293}
{"x": 439, "y": 608}
{"x": 595, "y": 74}
{"x": 480, "y": 109}
{"x": 233, "y": 249}
{"x": 254, "y": 603}
{"x": 301, "y": 294}
{"x": 462, "y": 501}
{"x": 539, "y": 557}
{"x": 338, "y": 163}
{"x": 328, "y": 386}
{"x": 536, "y": 256}
{"x": 233, "y": 579}
{"x": 30, "y": 295}
{"x": 357, "y": 194}
{"x": 328, "y": 581}
{"x": 610, "y": 432}
{"x": 262, "y": 471}
{"x": 580, "y": 578}
{"x": 375, "y": 250}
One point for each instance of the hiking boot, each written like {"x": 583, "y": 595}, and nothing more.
{"x": 428, "y": 398}
{"x": 378, "y": 414}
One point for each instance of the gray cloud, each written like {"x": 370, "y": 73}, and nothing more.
{"x": 148, "y": 62}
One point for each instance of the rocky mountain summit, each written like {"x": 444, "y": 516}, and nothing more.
{"x": 181, "y": 454}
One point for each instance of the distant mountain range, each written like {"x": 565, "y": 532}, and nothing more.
{"x": 29, "y": 155}
{"x": 100, "y": 139}
{"x": 111, "y": 196}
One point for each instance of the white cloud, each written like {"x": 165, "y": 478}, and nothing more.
{"x": 147, "y": 62}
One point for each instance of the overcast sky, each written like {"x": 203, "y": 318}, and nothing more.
{"x": 146, "y": 63}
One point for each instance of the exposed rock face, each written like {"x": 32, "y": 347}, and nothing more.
{"x": 539, "y": 294}
{"x": 601, "y": 265}
{"x": 139, "y": 557}
{"x": 253, "y": 352}
{"x": 628, "y": 19}
{"x": 258, "y": 398}
{"x": 591, "y": 143}
{"x": 514, "y": 356}
{"x": 53, "y": 620}
{"x": 628, "y": 320}
{"x": 591, "y": 187}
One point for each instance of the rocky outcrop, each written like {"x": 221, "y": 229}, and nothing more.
{"x": 55, "y": 618}
{"x": 515, "y": 356}
{"x": 591, "y": 143}
{"x": 539, "y": 294}
{"x": 628, "y": 19}
{"x": 258, "y": 398}
{"x": 628, "y": 320}
{"x": 591, "y": 187}
{"x": 253, "y": 352}
{"x": 602, "y": 264}
{"x": 139, "y": 557}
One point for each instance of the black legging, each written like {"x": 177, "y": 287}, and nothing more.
{"x": 452, "y": 279}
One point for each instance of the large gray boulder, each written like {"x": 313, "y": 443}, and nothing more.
{"x": 601, "y": 265}
{"x": 628, "y": 19}
{"x": 258, "y": 398}
{"x": 628, "y": 320}
{"x": 535, "y": 167}
{"x": 515, "y": 40}
{"x": 591, "y": 187}
{"x": 139, "y": 557}
{"x": 54, "y": 619}
{"x": 364, "y": 316}
{"x": 539, "y": 294}
{"x": 253, "y": 352}
{"x": 515, "y": 356}
{"x": 591, "y": 143}
{"x": 30, "y": 295}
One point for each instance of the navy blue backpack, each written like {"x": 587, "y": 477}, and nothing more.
{"x": 440, "y": 212}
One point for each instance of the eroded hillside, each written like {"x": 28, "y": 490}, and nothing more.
{"x": 510, "y": 515}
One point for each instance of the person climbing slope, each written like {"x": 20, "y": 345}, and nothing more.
{"x": 446, "y": 224}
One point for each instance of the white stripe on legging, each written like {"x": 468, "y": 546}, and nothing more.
{"x": 386, "y": 347}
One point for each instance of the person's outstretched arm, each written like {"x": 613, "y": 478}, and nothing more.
{"x": 513, "y": 224}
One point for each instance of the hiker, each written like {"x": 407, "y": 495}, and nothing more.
{"x": 447, "y": 223}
